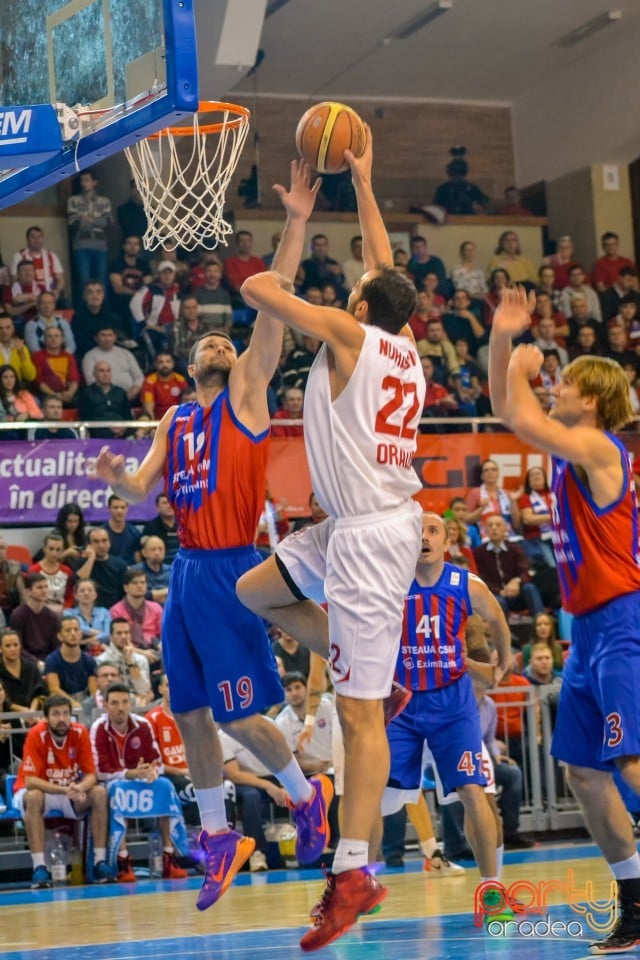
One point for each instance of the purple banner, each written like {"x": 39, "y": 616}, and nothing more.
{"x": 38, "y": 478}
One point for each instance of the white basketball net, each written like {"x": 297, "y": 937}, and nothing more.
{"x": 182, "y": 178}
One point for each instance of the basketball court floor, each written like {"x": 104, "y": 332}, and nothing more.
{"x": 263, "y": 916}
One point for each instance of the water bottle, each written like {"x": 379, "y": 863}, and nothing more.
{"x": 155, "y": 854}
{"x": 77, "y": 869}
{"x": 59, "y": 862}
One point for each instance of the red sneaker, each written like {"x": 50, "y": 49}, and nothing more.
{"x": 346, "y": 897}
{"x": 125, "y": 870}
{"x": 394, "y": 704}
{"x": 311, "y": 821}
{"x": 171, "y": 870}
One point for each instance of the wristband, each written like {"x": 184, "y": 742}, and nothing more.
{"x": 309, "y": 720}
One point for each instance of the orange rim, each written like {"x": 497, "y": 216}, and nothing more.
{"x": 240, "y": 116}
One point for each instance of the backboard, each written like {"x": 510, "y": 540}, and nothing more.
{"x": 126, "y": 69}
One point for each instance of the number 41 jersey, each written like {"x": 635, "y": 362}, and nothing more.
{"x": 360, "y": 447}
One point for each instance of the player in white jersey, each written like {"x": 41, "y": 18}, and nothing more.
{"x": 363, "y": 403}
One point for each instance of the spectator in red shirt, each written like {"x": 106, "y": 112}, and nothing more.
{"x": 58, "y": 772}
{"x": 292, "y": 405}
{"x": 241, "y": 266}
{"x": 155, "y": 307}
{"x": 162, "y": 389}
{"x": 21, "y": 297}
{"x": 56, "y": 369}
{"x": 59, "y": 575}
{"x": 171, "y": 745}
{"x": 438, "y": 401}
{"x": 607, "y": 268}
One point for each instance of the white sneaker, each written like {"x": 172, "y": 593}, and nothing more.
{"x": 439, "y": 866}
{"x": 257, "y": 861}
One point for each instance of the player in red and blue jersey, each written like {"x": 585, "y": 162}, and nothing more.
{"x": 443, "y": 709}
{"x": 213, "y": 455}
{"x": 595, "y": 528}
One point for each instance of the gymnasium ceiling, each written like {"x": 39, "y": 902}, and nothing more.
{"x": 479, "y": 50}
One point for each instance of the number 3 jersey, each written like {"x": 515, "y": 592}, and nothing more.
{"x": 431, "y": 654}
{"x": 215, "y": 476}
{"x": 360, "y": 446}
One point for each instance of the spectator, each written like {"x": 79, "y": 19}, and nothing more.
{"x": 155, "y": 569}
{"x": 291, "y": 656}
{"x": 626, "y": 285}
{"x": 505, "y": 569}
{"x": 291, "y": 410}
{"x": 125, "y": 371}
{"x": 164, "y": 526}
{"x": 242, "y": 265}
{"x": 56, "y": 369}
{"x": 458, "y": 550}
{"x": 535, "y": 514}
{"x": 123, "y": 536}
{"x": 438, "y": 401}
{"x": 128, "y": 273}
{"x": 124, "y": 748}
{"x": 550, "y": 375}
{"x": 498, "y": 280}
{"x": 131, "y": 215}
{"x": 458, "y": 508}
{"x": 560, "y": 262}
{"x": 577, "y": 285}
{"x": 163, "y": 388}
{"x": 317, "y": 514}
{"x": 133, "y": 666}
{"x": 20, "y": 299}
{"x": 544, "y": 310}
{"x": 144, "y": 616}
{"x": 468, "y": 276}
{"x": 316, "y": 755}
{"x": 546, "y": 284}
{"x": 422, "y": 263}
{"x": 14, "y": 352}
{"x": 268, "y": 257}
{"x": 353, "y": 268}
{"x": 469, "y": 391}
{"x": 36, "y": 624}
{"x": 631, "y": 370}
{"x": 628, "y": 318}
{"x": 102, "y": 400}
{"x": 456, "y": 195}
{"x": 95, "y": 621}
{"x": 490, "y": 498}
{"x": 459, "y": 320}
{"x": 586, "y": 344}
{"x": 70, "y": 526}
{"x": 441, "y": 351}
{"x": 92, "y": 316}
{"x": 22, "y": 681}
{"x": 188, "y": 328}
{"x": 94, "y": 705}
{"x": 52, "y": 410}
{"x": 580, "y": 318}
{"x": 256, "y": 789}
{"x": 35, "y": 329}
{"x": 171, "y": 745}
{"x": 511, "y": 716}
{"x": 11, "y": 582}
{"x": 606, "y": 269}
{"x": 59, "y": 575}
{"x": 58, "y": 772}
{"x": 107, "y": 572}
{"x": 16, "y": 403}
{"x": 513, "y": 205}
{"x": 320, "y": 268}
{"x": 425, "y": 311}
{"x": 616, "y": 344}
{"x": 89, "y": 218}
{"x": 295, "y": 371}
{"x": 540, "y": 670}
{"x": 508, "y": 256}
{"x": 69, "y": 671}
{"x": 543, "y": 630}
{"x": 214, "y": 303}
{"x": 49, "y": 274}
{"x": 155, "y": 308}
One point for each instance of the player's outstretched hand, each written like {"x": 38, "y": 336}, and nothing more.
{"x": 300, "y": 199}
{"x": 513, "y": 315}
{"x": 108, "y": 466}
{"x": 527, "y": 358}
{"x": 361, "y": 166}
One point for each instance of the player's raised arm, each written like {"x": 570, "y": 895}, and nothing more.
{"x": 510, "y": 320}
{"x": 134, "y": 487}
{"x": 376, "y": 248}
{"x": 484, "y": 603}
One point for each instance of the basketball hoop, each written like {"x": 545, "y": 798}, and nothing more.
{"x": 183, "y": 184}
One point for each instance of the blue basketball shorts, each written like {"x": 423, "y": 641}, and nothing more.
{"x": 598, "y": 718}
{"x": 216, "y": 652}
{"x": 448, "y": 719}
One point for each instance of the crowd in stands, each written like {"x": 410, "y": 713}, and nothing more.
{"x": 112, "y": 342}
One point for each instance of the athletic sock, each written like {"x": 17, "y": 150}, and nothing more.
{"x": 38, "y": 860}
{"x": 350, "y": 855}
{"x": 295, "y": 783}
{"x": 213, "y": 815}
{"x": 123, "y": 853}
{"x": 628, "y": 869}
{"x": 429, "y": 847}
{"x": 99, "y": 854}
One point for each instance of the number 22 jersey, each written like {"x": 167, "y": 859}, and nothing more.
{"x": 360, "y": 446}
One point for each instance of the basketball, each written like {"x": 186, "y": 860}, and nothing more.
{"x": 325, "y": 131}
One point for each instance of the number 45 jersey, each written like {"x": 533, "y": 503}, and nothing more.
{"x": 360, "y": 446}
{"x": 431, "y": 654}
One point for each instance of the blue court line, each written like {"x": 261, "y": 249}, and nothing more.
{"x": 99, "y": 892}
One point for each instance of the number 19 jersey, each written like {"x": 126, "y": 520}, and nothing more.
{"x": 360, "y": 446}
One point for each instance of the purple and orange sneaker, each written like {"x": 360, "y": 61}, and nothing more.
{"x": 311, "y": 821}
{"x": 223, "y": 855}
